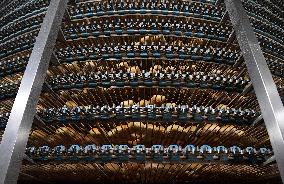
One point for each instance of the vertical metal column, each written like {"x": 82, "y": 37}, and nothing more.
{"x": 265, "y": 89}
{"x": 12, "y": 148}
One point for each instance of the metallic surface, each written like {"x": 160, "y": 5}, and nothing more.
{"x": 264, "y": 86}
{"x": 257, "y": 120}
{"x": 270, "y": 160}
{"x": 15, "y": 138}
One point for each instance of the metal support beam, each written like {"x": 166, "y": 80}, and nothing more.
{"x": 270, "y": 160}
{"x": 231, "y": 39}
{"x": 14, "y": 141}
{"x": 26, "y": 157}
{"x": 265, "y": 89}
{"x": 54, "y": 60}
{"x": 225, "y": 18}
{"x": 257, "y": 120}
{"x": 248, "y": 89}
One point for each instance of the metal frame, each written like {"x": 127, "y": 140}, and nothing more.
{"x": 14, "y": 141}
{"x": 265, "y": 89}
{"x": 12, "y": 148}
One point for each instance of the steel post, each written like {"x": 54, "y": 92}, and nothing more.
{"x": 265, "y": 89}
{"x": 12, "y": 148}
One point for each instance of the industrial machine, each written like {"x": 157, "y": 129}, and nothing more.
{"x": 143, "y": 91}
